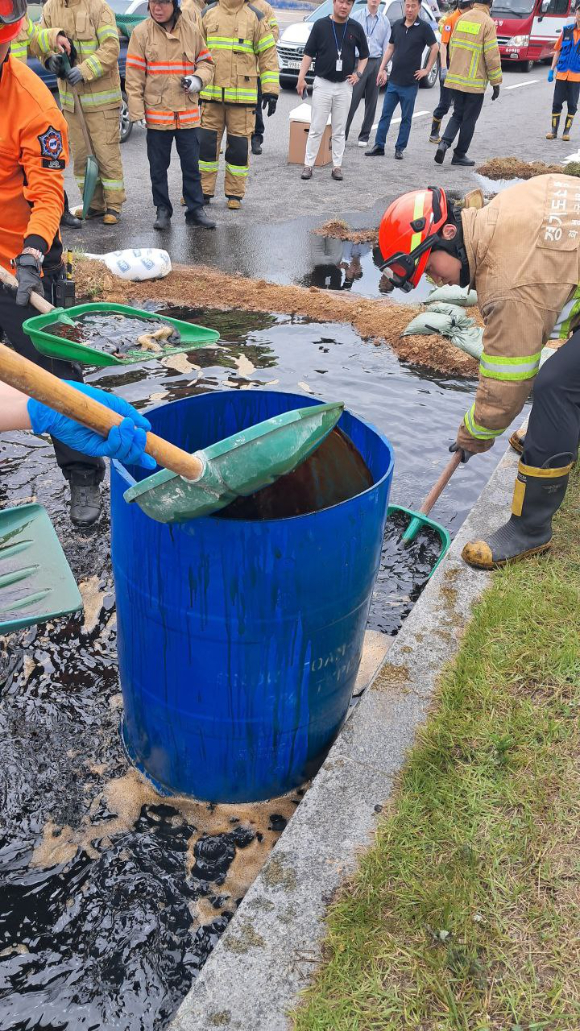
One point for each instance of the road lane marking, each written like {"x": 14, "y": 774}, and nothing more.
{"x": 416, "y": 114}
{"x": 518, "y": 85}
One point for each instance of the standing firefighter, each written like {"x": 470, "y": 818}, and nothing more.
{"x": 167, "y": 64}
{"x": 243, "y": 50}
{"x": 94, "y": 77}
{"x": 474, "y": 60}
{"x": 38, "y": 42}
{"x": 33, "y": 154}
{"x": 566, "y": 61}
{"x": 522, "y": 254}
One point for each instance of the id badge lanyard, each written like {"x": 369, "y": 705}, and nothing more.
{"x": 339, "y": 48}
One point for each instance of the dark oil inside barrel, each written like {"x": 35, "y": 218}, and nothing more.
{"x": 335, "y": 472}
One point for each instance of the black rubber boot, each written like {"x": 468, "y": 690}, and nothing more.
{"x": 567, "y": 127}
{"x": 435, "y": 127}
{"x": 441, "y": 152}
{"x": 163, "y": 220}
{"x": 555, "y": 125}
{"x": 538, "y": 494}
{"x": 70, "y": 221}
{"x": 198, "y": 217}
{"x": 85, "y": 501}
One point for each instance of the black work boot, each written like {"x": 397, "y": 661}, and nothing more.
{"x": 435, "y": 127}
{"x": 441, "y": 152}
{"x": 70, "y": 221}
{"x": 538, "y": 494}
{"x": 552, "y": 135}
{"x": 163, "y": 220}
{"x": 256, "y": 145}
{"x": 85, "y": 500}
{"x": 198, "y": 217}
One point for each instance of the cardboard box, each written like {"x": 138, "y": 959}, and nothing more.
{"x": 299, "y": 127}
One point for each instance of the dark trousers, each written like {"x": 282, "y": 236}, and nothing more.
{"x": 258, "y": 133}
{"x": 554, "y": 424}
{"x": 565, "y": 92}
{"x": 445, "y": 102}
{"x": 395, "y": 95}
{"x": 159, "y": 144}
{"x": 466, "y": 109}
{"x": 72, "y": 463}
{"x": 366, "y": 87}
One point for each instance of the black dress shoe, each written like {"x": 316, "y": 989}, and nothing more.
{"x": 375, "y": 152}
{"x": 462, "y": 159}
{"x": 440, "y": 152}
{"x": 398, "y": 154}
{"x": 256, "y": 147}
{"x": 70, "y": 221}
{"x": 163, "y": 220}
{"x": 199, "y": 218}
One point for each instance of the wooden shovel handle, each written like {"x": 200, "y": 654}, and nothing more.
{"x": 19, "y": 372}
{"x": 441, "y": 484}
{"x": 38, "y": 302}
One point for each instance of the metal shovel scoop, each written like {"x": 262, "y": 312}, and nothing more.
{"x": 189, "y": 485}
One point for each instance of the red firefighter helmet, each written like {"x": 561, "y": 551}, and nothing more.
{"x": 11, "y": 14}
{"x": 407, "y": 233}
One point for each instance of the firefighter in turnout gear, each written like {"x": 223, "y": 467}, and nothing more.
{"x": 243, "y": 49}
{"x": 168, "y": 62}
{"x": 38, "y": 42}
{"x": 33, "y": 154}
{"x": 521, "y": 252}
{"x": 94, "y": 77}
{"x": 566, "y": 61}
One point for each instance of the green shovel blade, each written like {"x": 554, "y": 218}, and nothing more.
{"x": 91, "y": 177}
{"x": 237, "y": 466}
{"x": 418, "y": 521}
{"x": 35, "y": 579}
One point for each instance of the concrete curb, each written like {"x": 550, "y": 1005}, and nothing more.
{"x": 270, "y": 950}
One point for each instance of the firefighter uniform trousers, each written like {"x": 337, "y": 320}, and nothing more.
{"x": 104, "y": 132}
{"x": 237, "y": 120}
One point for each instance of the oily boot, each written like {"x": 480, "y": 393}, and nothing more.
{"x": 163, "y": 220}
{"x": 538, "y": 494}
{"x": 85, "y": 501}
{"x": 435, "y": 127}
{"x": 555, "y": 126}
{"x": 567, "y": 127}
{"x": 518, "y": 441}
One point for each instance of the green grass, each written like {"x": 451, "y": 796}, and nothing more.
{"x": 465, "y": 913}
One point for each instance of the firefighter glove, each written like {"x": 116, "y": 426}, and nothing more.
{"x": 126, "y": 442}
{"x": 551, "y": 75}
{"x": 191, "y": 83}
{"x": 74, "y": 76}
{"x": 269, "y": 101}
{"x": 495, "y": 93}
{"x": 28, "y": 276}
{"x": 465, "y": 454}
{"x": 55, "y": 65}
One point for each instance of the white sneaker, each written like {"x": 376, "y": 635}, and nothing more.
{"x": 363, "y": 143}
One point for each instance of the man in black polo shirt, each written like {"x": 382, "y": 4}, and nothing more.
{"x": 409, "y": 37}
{"x": 333, "y": 43}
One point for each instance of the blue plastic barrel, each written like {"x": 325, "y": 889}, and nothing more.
{"x": 239, "y": 641}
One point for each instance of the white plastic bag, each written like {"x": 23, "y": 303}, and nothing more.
{"x": 136, "y": 264}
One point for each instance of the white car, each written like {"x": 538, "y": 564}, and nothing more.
{"x": 293, "y": 40}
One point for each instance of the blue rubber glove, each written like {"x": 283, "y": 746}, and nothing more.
{"x": 125, "y": 442}
{"x": 551, "y": 75}
{"x": 74, "y": 76}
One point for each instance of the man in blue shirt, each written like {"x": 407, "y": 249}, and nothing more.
{"x": 409, "y": 37}
{"x": 378, "y": 32}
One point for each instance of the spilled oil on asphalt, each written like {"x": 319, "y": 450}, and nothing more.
{"x": 112, "y": 897}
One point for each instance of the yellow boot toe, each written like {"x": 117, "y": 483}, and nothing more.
{"x": 479, "y": 555}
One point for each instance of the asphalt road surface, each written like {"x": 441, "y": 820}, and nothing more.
{"x": 515, "y": 124}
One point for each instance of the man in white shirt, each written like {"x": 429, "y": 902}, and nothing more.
{"x": 378, "y": 32}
